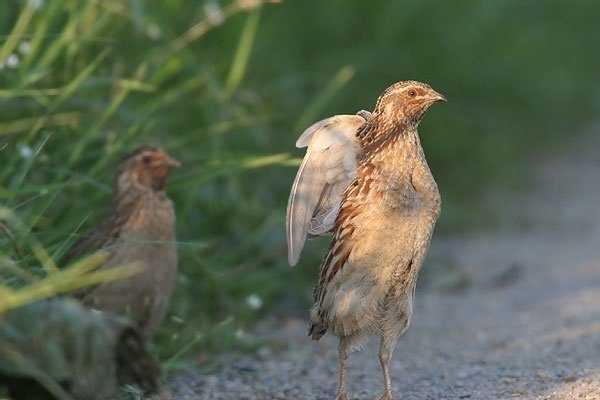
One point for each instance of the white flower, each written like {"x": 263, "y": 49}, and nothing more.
{"x": 25, "y": 151}
{"x": 36, "y": 4}
{"x": 214, "y": 14}
{"x": 240, "y": 334}
{"x": 254, "y": 301}
{"x": 25, "y": 47}
{"x": 12, "y": 61}
{"x": 153, "y": 31}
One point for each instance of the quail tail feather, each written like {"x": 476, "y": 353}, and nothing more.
{"x": 317, "y": 330}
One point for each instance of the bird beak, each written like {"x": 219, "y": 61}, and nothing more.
{"x": 435, "y": 97}
{"x": 173, "y": 163}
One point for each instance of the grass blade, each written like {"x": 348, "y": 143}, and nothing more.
{"x": 339, "y": 80}
{"x": 242, "y": 54}
{"x": 18, "y": 31}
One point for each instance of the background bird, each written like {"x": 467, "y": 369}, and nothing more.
{"x": 139, "y": 230}
{"x": 365, "y": 179}
{"x": 57, "y": 348}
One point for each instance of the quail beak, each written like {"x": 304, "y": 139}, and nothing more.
{"x": 436, "y": 97}
{"x": 173, "y": 163}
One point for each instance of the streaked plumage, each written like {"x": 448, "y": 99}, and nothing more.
{"x": 139, "y": 230}
{"x": 326, "y": 171}
{"x": 365, "y": 179}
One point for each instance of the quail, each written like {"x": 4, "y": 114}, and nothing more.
{"x": 364, "y": 179}
{"x": 57, "y": 348}
{"x": 139, "y": 230}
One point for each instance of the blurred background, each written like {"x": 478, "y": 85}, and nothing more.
{"x": 227, "y": 87}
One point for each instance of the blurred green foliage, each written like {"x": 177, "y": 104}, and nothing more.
{"x": 226, "y": 87}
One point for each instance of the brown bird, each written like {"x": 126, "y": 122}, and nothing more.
{"x": 365, "y": 179}
{"x": 139, "y": 230}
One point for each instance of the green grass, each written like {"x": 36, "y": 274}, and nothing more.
{"x": 94, "y": 80}
{"x": 227, "y": 91}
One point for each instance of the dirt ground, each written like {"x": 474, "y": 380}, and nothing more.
{"x": 509, "y": 314}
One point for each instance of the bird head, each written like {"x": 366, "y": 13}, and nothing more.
{"x": 406, "y": 102}
{"x": 146, "y": 168}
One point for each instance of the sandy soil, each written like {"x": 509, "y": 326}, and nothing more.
{"x": 509, "y": 314}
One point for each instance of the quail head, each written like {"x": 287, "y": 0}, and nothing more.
{"x": 139, "y": 230}
{"x": 365, "y": 180}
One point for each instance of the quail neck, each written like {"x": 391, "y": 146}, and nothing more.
{"x": 391, "y": 147}
{"x": 398, "y": 112}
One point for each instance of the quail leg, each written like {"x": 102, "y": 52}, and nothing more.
{"x": 386, "y": 350}
{"x": 342, "y": 359}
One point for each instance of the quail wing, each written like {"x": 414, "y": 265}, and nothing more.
{"x": 98, "y": 238}
{"x": 327, "y": 169}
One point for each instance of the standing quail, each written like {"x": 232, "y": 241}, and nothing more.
{"x": 140, "y": 230}
{"x": 365, "y": 180}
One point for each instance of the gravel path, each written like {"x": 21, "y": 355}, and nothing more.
{"x": 510, "y": 314}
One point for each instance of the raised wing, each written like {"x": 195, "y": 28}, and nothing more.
{"x": 328, "y": 167}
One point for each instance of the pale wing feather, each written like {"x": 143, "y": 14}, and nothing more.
{"x": 326, "y": 170}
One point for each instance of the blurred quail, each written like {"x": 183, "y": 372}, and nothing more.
{"x": 365, "y": 180}
{"x": 55, "y": 348}
{"x": 140, "y": 230}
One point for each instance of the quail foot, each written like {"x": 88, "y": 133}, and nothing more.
{"x": 140, "y": 230}
{"x": 365, "y": 180}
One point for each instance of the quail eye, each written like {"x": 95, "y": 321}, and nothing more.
{"x": 412, "y": 93}
{"x": 146, "y": 159}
